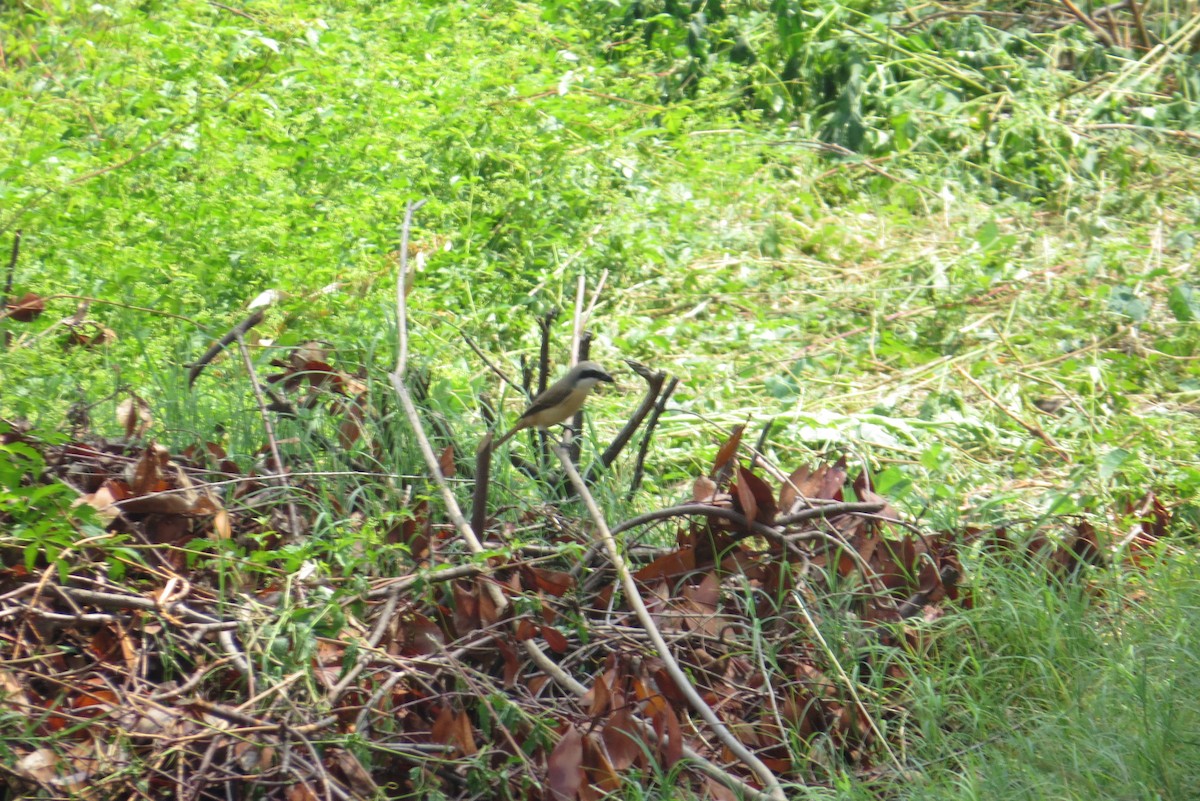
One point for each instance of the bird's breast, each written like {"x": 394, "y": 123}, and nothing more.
{"x": 560, "y": 412}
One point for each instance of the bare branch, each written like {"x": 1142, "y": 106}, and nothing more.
{"x": 634, "y": 598}
{"x": 235, "y": 333}
{"x": 644, "y": 448}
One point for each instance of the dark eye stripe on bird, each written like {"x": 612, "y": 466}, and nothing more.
{"x": 596, "y": 373}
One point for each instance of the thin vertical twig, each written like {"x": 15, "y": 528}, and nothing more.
{"x": 545, "y": 323}
{"x": 577, "y": 321}
{"x": 401, "y": 305}
{"x": 12, "y": 263}
{"x": 654, "y": 384}
{"x": 587, "y": 315}
{"x": 639, "y": 467}
{"x": 756, "y": 453}
{"x": 8, "y": 279}
{"x": 281, "y": 473}
{"x": 482, "y": 477}
{"x": 1143, "y": 34}
{"x": 584, "y": 353}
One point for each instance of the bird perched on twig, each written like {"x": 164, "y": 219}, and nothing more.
{"x": 560, "y": 400}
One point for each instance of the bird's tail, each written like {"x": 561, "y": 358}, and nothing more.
{"x": 511, "y": 433}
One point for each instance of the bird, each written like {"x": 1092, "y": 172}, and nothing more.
{"x": 560, "y": 400}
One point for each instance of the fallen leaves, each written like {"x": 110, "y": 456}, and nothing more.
{"x": 432, "y": 667}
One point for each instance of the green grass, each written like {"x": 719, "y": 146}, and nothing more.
{"x": 1045, "y": 691}
{"x": 178, "y": 159}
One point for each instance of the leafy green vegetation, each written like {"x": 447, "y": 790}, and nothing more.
{"x": 956, "y": 246}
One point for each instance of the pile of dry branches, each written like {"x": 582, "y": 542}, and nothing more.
{"x": 137, "y": 664}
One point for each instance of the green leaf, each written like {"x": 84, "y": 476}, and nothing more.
{"x": 1184, "y": 303}
{"x": 987, "y": 234}
{"x": 1112, "y": 462}
{"x": 892, "y": 483}
{"x": 1124, "y": 300}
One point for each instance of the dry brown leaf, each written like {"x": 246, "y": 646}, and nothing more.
{"x": 26, "y": 308}
{"x": 597, "y": 699}
{"x": 464, "y": 734}
{"x": 221, "y": 525}
{"x": 716, "y": 791}
{"x": 145, "y": 476}
{"x": 300, "y": 792}
{"x": 670, "y": 736}
{"x": 555, "y": 639}
{"x": 446, "y": 462}
{"x": 11, "y": 691}
{"x": 622, "y": 739}
{"x": 565, "y": 767}
{"x": 488, "y": 613}
{"x": 727, "y": 450}
{"x": 103, "y": 501}
{"x": 357, "y": 778}
{"x": 39, "y": 766}
{"x": 442, "y": 731}
{"x": 466, "y": 607}
{"x": 526, "y": 630}
{"x": 599, "y": 767}
{"x": 764, "y": 498}
{"x": 134, "y": 416}
{"x": 349, "y": 432}
{"x": 512, "y": 665}
{"x": 747, "y": 504}
{"x": 555, "y": 582}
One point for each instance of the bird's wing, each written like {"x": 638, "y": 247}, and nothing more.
{"x": 543, "y": 402}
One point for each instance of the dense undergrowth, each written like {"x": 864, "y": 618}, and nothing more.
{"x": 954, "y": 244}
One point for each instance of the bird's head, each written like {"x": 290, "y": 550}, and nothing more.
{"x": 588, "y": 375}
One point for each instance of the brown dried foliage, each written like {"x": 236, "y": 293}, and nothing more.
{"x": 170, "y": 683}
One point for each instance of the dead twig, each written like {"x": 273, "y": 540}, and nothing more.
{"x": 543, "y": 662}
{"x": 90, "y": 300}
{"x": 1140, "y": 24}
{"x": 235, "y": 11}
{"x": 654, "y": 381}
{"x": 232, "y": 335}
{"x": 639, "y": 468}
{"x": 281, "y": 474}
{"x": 8, "y": 280}
{"x": 1101, "y": 34}
{"x": 1030, "y": 427}
{"x": 582, "y": 353}
{"x": 689, "y": 509}
{"x": 545, "y": 324}
{"x": 483, "y": 480}
{"x": 386, "y": 616}
{"x": 828, "y": 510}
{"x": 488, "y": 362}
{"x": 634, "y": 599}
